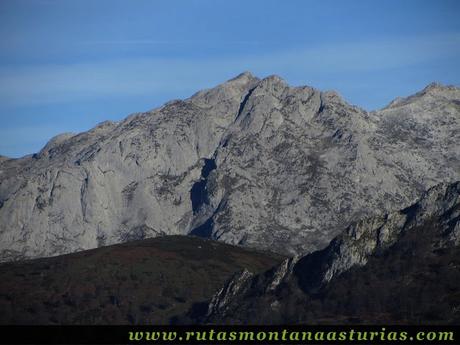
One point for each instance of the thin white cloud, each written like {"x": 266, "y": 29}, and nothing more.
{"x": 45, "y": 84}
{"x": 371, "y": 55}
{"x": 160, "y": 42}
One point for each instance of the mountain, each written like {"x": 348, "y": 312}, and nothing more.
{"x": 402, "y": 267}
{"x": 152, "y": 281}
{"x": 253, "y": 162}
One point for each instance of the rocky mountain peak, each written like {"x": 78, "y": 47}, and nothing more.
{"x": 438, "y": 87}
{"x": 243, "y": 77}
{"x": 432, "y": 92}
{"x": 273, "y": 79}
{"x": 55, "y": 141}
{"x": 227, "y": 97}
{"x": 437, "y": 90}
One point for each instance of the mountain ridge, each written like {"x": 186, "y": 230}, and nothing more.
{"x": 246, "y": 74}
{"x": 133, "y": 179}
{"x": 67, "y": 135}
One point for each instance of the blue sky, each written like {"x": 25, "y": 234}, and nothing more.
{"x": 67, "y": 65}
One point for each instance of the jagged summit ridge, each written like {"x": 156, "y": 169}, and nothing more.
{"x": 292, "y": 165}
{"x": 433, "y": 89}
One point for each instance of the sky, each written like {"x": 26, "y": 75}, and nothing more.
{"x": 67, "y": 65}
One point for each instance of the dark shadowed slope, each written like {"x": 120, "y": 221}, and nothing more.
{"x": 153, "y": 281}
{"x": 403, "y": 267}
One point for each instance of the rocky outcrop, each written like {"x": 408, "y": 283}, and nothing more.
{"x": 250, "y": 162}
{"x": 228, "y": 292}
{"x": 374, "y": 236}
{"x": 403, "y": 247}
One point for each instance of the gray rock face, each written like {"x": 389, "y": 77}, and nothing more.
{"x": 251, "y": 162}
{"x": 299, "y": 162}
